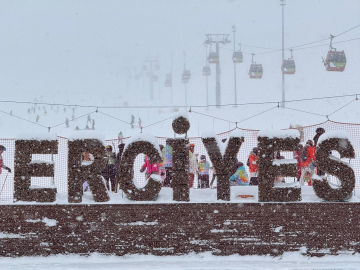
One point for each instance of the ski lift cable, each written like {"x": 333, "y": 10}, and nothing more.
{"x": 305, "y": 112}
{"x": 194, "y": 53}
{"x": 171, "y": 106}
{"x": 75, "y": 119}
{"x": 342, "y": 107}
{"x": 258, "y": 47}
{"x": 327, "y": 44}
{"x": 213, "y": 117}
{"x": 158, "y": 122}
{"x": 24, "y": 119}
{"x": 257, "y": 114}
{"x": 118, "y": 119}
{"x": 347, "y": 31}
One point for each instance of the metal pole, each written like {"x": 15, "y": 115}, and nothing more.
{"x": 218, "y": 95}
{"x": 207, "y": 94}
{"x": 151, "y": 83}
{"x": 283, "y": 2}
{"x": 171, "y": 91}
{"x": 185, "y": 96}
{"x": 234, "y": 30}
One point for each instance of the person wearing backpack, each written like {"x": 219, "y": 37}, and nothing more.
{"x": 252, "y": 163}
{"x": 307, "y": 163}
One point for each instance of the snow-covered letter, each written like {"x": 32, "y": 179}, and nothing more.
{"x": 223, "y": 158}
{"x": 25, "y": 167}
{"x": 77, "y": 172}
{"x": 340, "y": 142}
{"x": 271, "y": 142}
{"x": 146, "y": 144}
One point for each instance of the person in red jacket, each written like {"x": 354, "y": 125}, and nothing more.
{"x": 307, "y": 163}
{"x": 253, "y": 166}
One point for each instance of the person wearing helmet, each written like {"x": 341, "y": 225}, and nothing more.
{"x": 2, "y": 166}
{"x": 204, "y": 168}
{"x": 109, "y": 173}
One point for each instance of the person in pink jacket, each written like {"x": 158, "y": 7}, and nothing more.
{"x": 150, "y": 168}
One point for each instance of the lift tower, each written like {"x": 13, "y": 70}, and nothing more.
{"x": 214, "y": 58}
{"x": 150, "y": 61}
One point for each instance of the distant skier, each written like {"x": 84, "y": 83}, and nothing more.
{"x": 139, "y": 122}
{"x": 73, "y": 117}
{"x": 120, "y": 137}
{"x": 45, "y": 113}
{"x": 37, "y": 118}
{"x": 73, "y": 109}
{"x": 67, "y": 122}
{"x": 77, "y": 128}
{"x": 87, "y": 127}
{"x": 93, "y": 125}
{"x": 88, "y": 119}
{"x": 29, "y": 111}
{"x": 11, "y": 112}
{"x": 64, "y": 109}
{"x": 132, "y": 121}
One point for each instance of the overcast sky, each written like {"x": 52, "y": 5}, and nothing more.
{"x": 82, "y": 47}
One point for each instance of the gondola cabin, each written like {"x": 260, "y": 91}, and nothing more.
{"x": 168, "y": 83}
{"x": 288, "y": 66}
{"x": 184, "y": 80}
{"x": 256, "y": 71}
{"x": 206, "y": 71}
{"x": 237, "y": 57}
{"x": 213, "y": 57}
{"x": 186, "y": 74}
{"x": 168, "y": 80}
{"x": 335, "y": 61}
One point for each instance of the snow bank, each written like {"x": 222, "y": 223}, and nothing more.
{"x": 342, "y": 134}
{"x": 86, "y": 134}
{"x": 144, "y": 137}
{"x": 39, "y": 136}
{"x": 282, "y": 134}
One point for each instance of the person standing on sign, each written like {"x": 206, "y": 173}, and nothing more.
{"x": 2, "y": 166}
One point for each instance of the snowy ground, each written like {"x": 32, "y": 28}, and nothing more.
{"x": 289, "y": 261}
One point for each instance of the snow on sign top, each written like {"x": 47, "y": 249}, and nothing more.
{"x": 86, "y": 134}
{"x": 334, "y": 134}
{"x": 181, "y": 113}
{"x": 144, "y": 137}
{"x": 281, "y": 134}
{"x": 222, "y": 146}
{"x": 237, "y": 133}
{"x": 38, "y": 136}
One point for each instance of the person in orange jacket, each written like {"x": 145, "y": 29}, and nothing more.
{"x": 253, "y": 166}
{"x": 307, "y": 163}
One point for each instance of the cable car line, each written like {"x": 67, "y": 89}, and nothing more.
{"x": 347, "y": 30}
